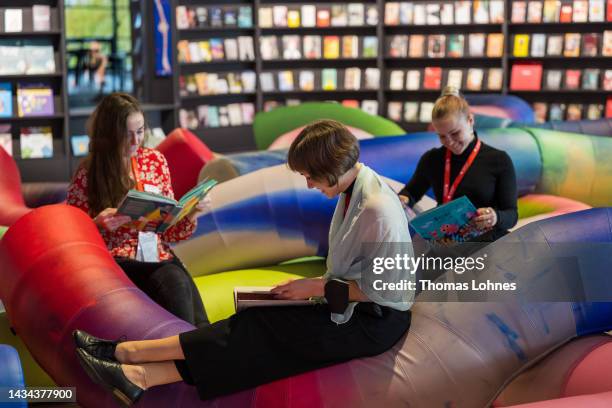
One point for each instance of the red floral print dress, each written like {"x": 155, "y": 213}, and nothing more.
{"x": 153, "y": 173}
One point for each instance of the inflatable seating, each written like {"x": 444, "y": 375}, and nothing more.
{"x": 491, "y": 342}
{"x": 579, "y": 368}
{"x": 597, "y": 127}
{"x": 11, "y": 374}
{"x": 504, "y": 106}
{"x": 533, "y": 207}
{"x": 186, "y": 155}
{"x": 267, "y": 126}
{"x": 39, "y": 194}
{"x": 11, "y": 198}
{"x": 603, "y": 400}
{"x": 284, "y": 141}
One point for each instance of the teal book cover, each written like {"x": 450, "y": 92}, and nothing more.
{"x": 450, "y": 221}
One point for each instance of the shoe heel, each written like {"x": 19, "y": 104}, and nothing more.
{"x": 122, "y": 398}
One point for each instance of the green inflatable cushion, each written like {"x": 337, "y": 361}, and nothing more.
{"x": 267, "y": 126}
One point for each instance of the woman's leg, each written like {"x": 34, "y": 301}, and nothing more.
{"x": 145, "y": 351}
{"x": 151, "y": 374}
{"x": 170, "y": 286}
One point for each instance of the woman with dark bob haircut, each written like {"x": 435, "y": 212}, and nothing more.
{"x": 263, "y": 344}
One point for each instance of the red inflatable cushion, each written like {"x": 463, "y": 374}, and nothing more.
{"x": 13, "y": 206}
{"x": 186, "y": 155}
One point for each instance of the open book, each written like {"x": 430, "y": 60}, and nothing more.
{"x": 450, "y": 220}
{"x": 154, "y": 209}
{"x": 250, "y": 296}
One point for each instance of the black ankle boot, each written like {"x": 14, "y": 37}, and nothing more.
{"x": 99, "y": 348}
{"x": 110, "y": 376}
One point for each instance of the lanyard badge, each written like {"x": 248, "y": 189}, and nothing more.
{"x": 447, "y": 194}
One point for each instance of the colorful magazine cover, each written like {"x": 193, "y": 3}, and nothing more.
{"x": 450, "y": 221}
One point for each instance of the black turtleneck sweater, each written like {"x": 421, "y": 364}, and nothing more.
{"x": 489, "y": 182}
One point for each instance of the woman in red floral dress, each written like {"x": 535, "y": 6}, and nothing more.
{"x": 117, "y": 162}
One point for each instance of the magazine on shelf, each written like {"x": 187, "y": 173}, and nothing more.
{"x": 519, "y": 12}
{"x": 356, "y": 14}
{"x": 293, "y": 18}
{"x": 308, "y": 15}
{"x": 371, "y": 14}
{"x": 254, "y": 296}
{"x": 6, "y": 100}
{"x": 538, "y": 45}
{"x": 597, "y": 9}
{"x": 394, "y": 111}
{"x": 534, "y": 11}
{"x": 265, "y": 17}
{"x": 572, "y": 45}
{"x": 34, "y": 100}
{"x": 496, "y": 11}
{"x": 406, "y": 11}
{"x": 80, "y": 145}
{"x": 449, "y": 221}
{"x": 594, "y": 111}
{"x": 481, "y": 11}
{"x": 495, "y": 45}
{"x": 36, "y": 142}
{"x": 581, "y": 11}
{"x": 411, "y": 111}
{"x": 13, "y": 20}
{"x": 495, "y": 79}
{"x": 574, "y": 111}
{"x": 6, "y": 139}
{"x": 419, "y": 14}
{"x": 447, "y": 14}
{"x": 550, "y": 13}
{"x": 540, "y": 110}
{"x": 339, "y": 16}
{"x": 425, "y": 112}
{"x": 41, "y": 17}
{"x": 463, "y": 12}
{"x": 144, "y": 208}
{"x": 13, "y": 58}
{"x": 454, "y": 78}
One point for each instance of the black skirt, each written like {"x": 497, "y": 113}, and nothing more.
{"x": 263, "y": 344}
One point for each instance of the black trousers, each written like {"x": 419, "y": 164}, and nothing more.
{"x": 169, "y": 285}
{"x": 263, "y": 344}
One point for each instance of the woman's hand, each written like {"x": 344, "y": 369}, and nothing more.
{"x": 409, "y": 211}
{"x": 300, "y": 289}
{"x": 109, "y": 220}
{"x": 204, "y": 206}
{"x": 485, "y": 219}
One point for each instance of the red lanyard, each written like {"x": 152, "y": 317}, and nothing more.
{"x": 446, "y": 194}
{"x": 139, "y": 185}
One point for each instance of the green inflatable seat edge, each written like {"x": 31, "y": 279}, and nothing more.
{"x": 267, "y": 126}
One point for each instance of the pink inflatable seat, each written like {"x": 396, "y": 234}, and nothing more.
{"x": 13, "y": 206}
{"x": 186, "y": 155}
{"x": 580, "y": 367}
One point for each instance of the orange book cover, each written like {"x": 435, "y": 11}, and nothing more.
{"x": 331, "y": 47}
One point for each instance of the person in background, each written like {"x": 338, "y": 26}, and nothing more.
{"x": 262, "y": 344}
{"x": 117, "y": 162}
{"x": 465, "y": 166}
{"x": 96, "y": 64}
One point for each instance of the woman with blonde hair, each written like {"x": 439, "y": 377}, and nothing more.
{"x": 465, "y": 166}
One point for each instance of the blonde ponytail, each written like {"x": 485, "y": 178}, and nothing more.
{"x": 450, "y": 102}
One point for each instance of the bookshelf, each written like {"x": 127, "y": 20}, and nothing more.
{"x": 233, "y": 72}
{"x": 565, "y": 41}
{"x": 294, "y": 76}
{"x": 30, "y": 37}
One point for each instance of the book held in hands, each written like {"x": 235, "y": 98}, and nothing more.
{"x": 146, "y": 208}
{"x": 252, "y": 296}
{"x": 448, "y": 221}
